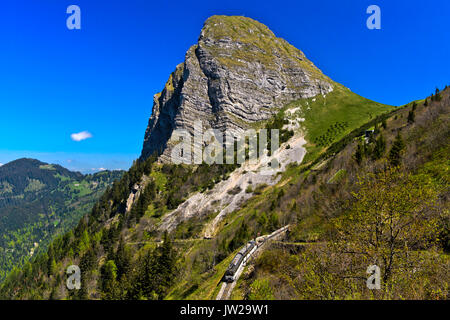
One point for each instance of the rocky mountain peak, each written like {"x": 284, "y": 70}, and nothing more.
{"x": 235, "y": 27}
{"x": 238, "y": 73}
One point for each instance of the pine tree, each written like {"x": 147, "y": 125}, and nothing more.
{"x": 411, "y": 117}
{"x": 51, "y": 264}
{"x": 88, "y": 260}
{"x": 273, "y": 205}
{"x": 241, "y": 236}
{"x": 426, "y": 102}
{"x": 53, "y": 294}
{"x": 263, "y": 220}
{"x": 166, "y": 263}
{"x": 109, "y": 280}
{"x": 52, "y": 267}
{"x": 437, "y": 96}
{"x": 157, "y": 272}
{"x": 273, "y": 221}
{"x": 380, "y": 147}
{"x": 359, "y": 154}
{"x": 123, "y": 259}
{"x": 396, "y": 150}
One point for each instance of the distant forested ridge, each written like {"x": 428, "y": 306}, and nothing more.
{"x": 40, "y": 200}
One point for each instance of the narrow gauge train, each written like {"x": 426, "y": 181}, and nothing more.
{"x": 237, "y": 260}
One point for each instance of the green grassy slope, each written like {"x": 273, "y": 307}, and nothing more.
{"x": 329, "y": 118}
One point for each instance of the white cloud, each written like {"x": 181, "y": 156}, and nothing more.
{"x": 81, "y": 136}
{"x": 1, "y": 164}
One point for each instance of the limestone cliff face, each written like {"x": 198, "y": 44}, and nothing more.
{"x": 238, "y": 73}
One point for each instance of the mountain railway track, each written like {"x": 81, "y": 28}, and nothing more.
{"x": 239, "y": 262}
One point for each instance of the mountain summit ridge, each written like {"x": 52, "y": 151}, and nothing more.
{"x": 237, "y": 74}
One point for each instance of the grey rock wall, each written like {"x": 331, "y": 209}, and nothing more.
{"x": 238, "y": 74}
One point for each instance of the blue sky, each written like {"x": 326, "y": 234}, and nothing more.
{"x": 101, "y": 79}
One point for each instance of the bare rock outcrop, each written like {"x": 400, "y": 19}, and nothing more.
{"x": 239, "y": 73}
